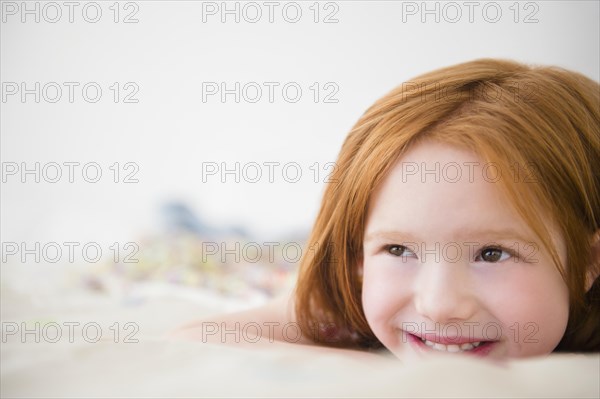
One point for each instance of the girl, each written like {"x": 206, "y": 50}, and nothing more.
{"x": 463, "y": 217}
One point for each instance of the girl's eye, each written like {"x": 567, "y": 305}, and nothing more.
{"x": 492, "y": 255}
{"x": 399, "y": 250}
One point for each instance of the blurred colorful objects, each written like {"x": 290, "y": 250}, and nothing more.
{"x": 192, "y": 254}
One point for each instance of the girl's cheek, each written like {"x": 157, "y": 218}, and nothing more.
{"x": 386, "y": 292}
{"x": 532, "y": 306}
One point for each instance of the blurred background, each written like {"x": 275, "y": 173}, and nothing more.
{"x": 187, "y": 144}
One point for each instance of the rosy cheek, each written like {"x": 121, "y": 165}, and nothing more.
{"x": 533, "y": 309}
{"x": 373, "y": 299}
{"x": 386, "y": 293}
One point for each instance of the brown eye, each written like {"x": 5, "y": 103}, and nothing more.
{"x": 492, "y": 255}
{"x": 399, "y": 250}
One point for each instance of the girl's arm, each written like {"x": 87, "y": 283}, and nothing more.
{"x": 274, "y": 321}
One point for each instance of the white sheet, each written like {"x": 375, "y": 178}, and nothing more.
{"x": 158, "y": 367}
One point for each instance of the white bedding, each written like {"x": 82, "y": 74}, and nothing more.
{"x": 158, "y": 367}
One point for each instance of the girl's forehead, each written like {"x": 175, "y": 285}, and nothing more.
{"x": 450, "y": 171}
{"x": 438, "y": 187}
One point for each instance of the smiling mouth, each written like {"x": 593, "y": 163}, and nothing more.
{"x": 452, "y": 348}
{"x": 475, "y": 347}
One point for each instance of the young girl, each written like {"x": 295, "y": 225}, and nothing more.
{"x": 463, "y": 217}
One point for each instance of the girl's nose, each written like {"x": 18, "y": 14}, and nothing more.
{"x": 443, "y": 292}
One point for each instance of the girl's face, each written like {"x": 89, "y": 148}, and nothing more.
{"x": 449, "y": 266}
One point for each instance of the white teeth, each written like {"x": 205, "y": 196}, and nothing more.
{"x": 451, "y": 348}
{"x": 439, "y": 347}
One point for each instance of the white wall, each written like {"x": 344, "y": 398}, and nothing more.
{"x": 170, "y": 132}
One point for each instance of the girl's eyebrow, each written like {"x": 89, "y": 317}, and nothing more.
{"x": 462, "y": 234}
